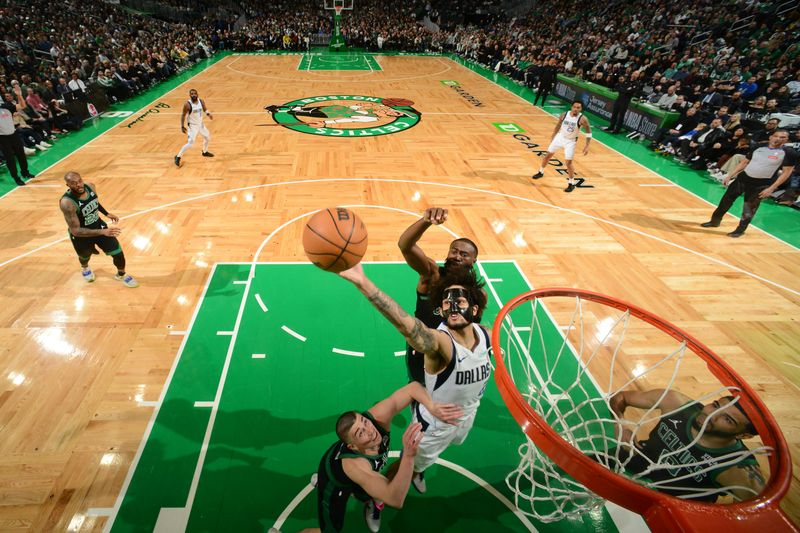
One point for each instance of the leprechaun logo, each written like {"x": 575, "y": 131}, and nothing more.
{"x": 346, "y": 115}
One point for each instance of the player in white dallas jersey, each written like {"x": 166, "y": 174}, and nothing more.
{"x": 194, "y": 108}
{"x": 566, "y": 136}
{"x": 457, "y": 360}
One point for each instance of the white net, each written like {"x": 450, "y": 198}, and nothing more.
{"x": 568, "y": 356}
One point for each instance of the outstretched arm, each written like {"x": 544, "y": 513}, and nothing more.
{"x": 412, "y": 253}
{"x": 385, "y": 410}
{"x": 647, "y": 399}
{"x": 422, "y": 338}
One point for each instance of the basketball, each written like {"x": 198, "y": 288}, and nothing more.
{"x": 335, "y": 239}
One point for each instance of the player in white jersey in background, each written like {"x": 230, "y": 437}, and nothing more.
{"x": 194, "y": 108}
{"x": 457, "y": 359}
{"x": 566, "y": 136}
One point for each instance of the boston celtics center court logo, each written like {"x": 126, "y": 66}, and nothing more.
{"x": 346, "y": 115}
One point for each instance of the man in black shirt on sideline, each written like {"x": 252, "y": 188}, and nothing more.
{"x": 547, "y": 79}
{"x": 626, "y": 89}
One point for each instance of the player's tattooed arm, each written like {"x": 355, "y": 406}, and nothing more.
{"x": 420, "y": 337}
{"x": 74, "y": 224}
{"x": 754, "y": 477}
{"x": 745, "y": 480}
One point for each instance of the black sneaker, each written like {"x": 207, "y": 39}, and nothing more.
{"x": 208, "y": 154}
{"x": 537, "y": 175}
{"x": 372, "y": 516}
{"x": 710, "y": 224}
{"x": 272, "y": 108}
{"x": 418, "y": 481}
{"x": 177, "y": 161}
{"x": 570, "y": 187}
{"x": 736, "y": 234}
{"x": 28, "y": 176}
{"x": 19, "y": 182}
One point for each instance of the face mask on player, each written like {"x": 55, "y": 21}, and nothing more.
{"x": 451, "y": 296}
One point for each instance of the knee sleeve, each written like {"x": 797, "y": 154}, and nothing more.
{"x": 119, "y": 261}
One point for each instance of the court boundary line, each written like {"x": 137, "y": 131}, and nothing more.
{"x": 154, "y": 415}
{"x": 658, "y": 174}
{"x": 576, "y": 212}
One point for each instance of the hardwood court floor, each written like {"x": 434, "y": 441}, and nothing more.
{"x": 85, "y": 364}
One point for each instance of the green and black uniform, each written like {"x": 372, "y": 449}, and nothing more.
{"x": 89, "y": 216}
{"x": 334, "y": 487}
{"x": 674, "y": 432}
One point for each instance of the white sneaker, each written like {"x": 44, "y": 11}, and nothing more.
{"x": 127, "y": 280}
{"x": 372, "y": 516}
{"x": 87, "y": 274}
{"x": 41, "y": 147}
{"x": 28, "y": 151}
{"x": 46, "y": 145}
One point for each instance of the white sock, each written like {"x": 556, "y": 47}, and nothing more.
{"x": 185, "y": 147}
{"x": 541, "y": 170}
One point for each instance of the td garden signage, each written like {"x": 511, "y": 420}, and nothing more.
{"x": 346, "y": 115}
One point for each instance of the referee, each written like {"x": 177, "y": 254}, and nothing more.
{"x": 753, "y": 175}
{"x": 10, "y": 142}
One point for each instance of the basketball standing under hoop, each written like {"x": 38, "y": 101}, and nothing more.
{"x": 566, "y": 136}
{"x": 194, "y": 108}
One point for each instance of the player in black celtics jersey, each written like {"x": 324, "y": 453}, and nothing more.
{"x": 352, "y": 466}
{"x": 462, "y": 253}
{"x": 669, "y": 460}
{"x": 81, "y": 208}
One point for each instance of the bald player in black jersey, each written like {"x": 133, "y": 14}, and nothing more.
{"x": 81, "y": 207}
{"x": 718, "y": 428}
{"x": 352, "y": 466}
{"x": 463, "y": 253}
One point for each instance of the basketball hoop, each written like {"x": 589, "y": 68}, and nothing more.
{"x": 338, "y": 8}
{"x": 581, "y": 349}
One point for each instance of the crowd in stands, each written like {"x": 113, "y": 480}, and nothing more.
{"x": 74, "y": 52}
{"x": 732, "y": 71}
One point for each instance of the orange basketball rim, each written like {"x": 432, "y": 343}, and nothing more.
{"x": 662, "y": 512}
